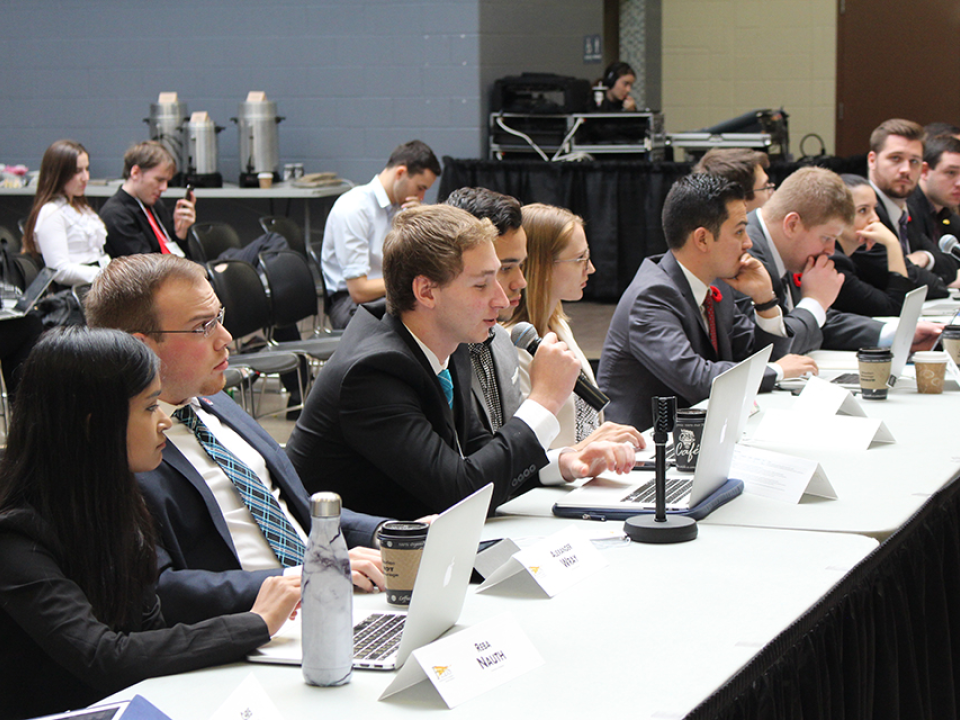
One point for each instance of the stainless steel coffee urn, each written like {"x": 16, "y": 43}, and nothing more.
{"x": 166, "y": 120}
{"x": 201, "y": 151}
{"x": 257, "y": 122}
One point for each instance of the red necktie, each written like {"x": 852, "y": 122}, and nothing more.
{"x": 157, "y": 231}
{"x": 711, "y": 320}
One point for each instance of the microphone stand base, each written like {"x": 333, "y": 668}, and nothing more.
{"x": 674, "y": 529}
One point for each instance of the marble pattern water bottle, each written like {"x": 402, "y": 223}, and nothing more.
{"x": 327, "y": 593}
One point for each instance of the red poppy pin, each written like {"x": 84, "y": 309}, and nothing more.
{"x": 715, "y": 294}
{"x": 797, "y": 277}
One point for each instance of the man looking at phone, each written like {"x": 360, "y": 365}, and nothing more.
{"x": 136, "y": 218}
{"x": 677, "y": 326}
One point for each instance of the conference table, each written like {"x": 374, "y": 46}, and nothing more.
{"x": 822, "y": 608}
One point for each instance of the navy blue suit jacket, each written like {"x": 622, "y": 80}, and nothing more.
{"x": 200, "y": 574}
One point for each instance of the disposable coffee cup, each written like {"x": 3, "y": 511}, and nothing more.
{"x": 874, "y": 372}
{"x": 687, "y": 433}
{"x": 951, "y": 341}
{"x": 401, "y": 545}
{"x": 931, "y": 367}
{"x": 266, "y": 180}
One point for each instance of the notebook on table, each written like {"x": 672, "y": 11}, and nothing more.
{"x": 731, "y": 395}
{"x": 384, "y": 640}
{"x": 902, "y": 339}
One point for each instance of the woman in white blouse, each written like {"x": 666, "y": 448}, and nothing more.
{"x": 556, "y": 269}
{"x": 62, "y": 226}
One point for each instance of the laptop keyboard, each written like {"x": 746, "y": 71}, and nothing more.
{"x": 647, "y": 493}
{"x": 377, "y": 636}
{"x": 847, "y": 379}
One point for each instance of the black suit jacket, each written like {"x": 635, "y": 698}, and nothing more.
{"x": 841, "y": 331}
{"x": 55, "y": 655}
{"x": 377, "y": 429}
{"x": 857, "y": 295}
{"x": 128, "y": 229}
{"x": 657, "y": 344}
{"x": 200, "y": 574}
{"x": 944, "y": 268}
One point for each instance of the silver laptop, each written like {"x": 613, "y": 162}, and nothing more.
{"x": 25, "y": 302}
{"x": 438, "y": 594}
{"x": 902, "y": 340}
{"x": 731, "y": 395}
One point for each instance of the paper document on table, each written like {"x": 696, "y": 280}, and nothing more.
{"x": 820, "y": 396}
{"x": 831, "y": 432}
{"x": 778, "y": 476}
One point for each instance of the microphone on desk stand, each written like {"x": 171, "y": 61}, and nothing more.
{"x": 950, "y": 245}
{"x": 660, "y": 527}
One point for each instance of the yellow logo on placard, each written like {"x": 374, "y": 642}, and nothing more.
{"x": 443, "y": 672}
{"x": 535, "y": 569}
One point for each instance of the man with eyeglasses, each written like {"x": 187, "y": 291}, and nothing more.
{"x": 794, "y": 236}
{"x": 747, "y": 168}
{"x": 895, "y": 163}
{"x": 677, "y": 326}
{"x": 229, "y": 508}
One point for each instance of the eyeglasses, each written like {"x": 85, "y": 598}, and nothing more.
{"x": 582, "y": 259}
{"x": 769, "y": 187}
{"x": 205, "y": 329}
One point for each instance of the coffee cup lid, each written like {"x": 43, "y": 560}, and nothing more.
{"x": 404, "y": 528}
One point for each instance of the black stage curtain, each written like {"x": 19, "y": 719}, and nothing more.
{"x": 883, "y": 644}
{"x": 620, "y": 201}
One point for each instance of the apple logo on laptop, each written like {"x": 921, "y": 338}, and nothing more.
{"x": 448, "y": 575}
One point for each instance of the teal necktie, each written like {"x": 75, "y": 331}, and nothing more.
{"x": 446, "y": 382}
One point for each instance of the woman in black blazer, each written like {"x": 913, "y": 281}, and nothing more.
{"x": 869, "y": 289}
{"x": 79, "y": 617}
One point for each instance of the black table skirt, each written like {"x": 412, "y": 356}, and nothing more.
{"x": 885, "y": 643}
{"x": 621, "y": 202}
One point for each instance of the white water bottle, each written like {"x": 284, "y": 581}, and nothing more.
{"x": 327, "y": 597}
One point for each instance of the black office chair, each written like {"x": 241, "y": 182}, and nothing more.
{"x": 292, "y": 300}
{"x": 206, "y": 241}
{"x": 246, "y": 311}
{"x": 26, "y": 268}
{"x": 316, "y": 269}
{"x": 9, "y": 240}
{"x": 292, "y": 232}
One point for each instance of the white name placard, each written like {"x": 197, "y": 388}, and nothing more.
{"x": 778, "y": 476}
{"x": 249, "y": 701}
{"x": 834, "y": 432}
{"x": 553, "y": 564}
{"x": 470, "y": 662}
{"x": 820, "y": 396}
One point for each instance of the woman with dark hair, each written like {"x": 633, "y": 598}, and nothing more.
{"x": 869, "y": 288}
{"x": 79, "y": 618}
{"x": 62, "y": 227}
{"x": 556, "y": 269}
{"x": 618, "y": 78}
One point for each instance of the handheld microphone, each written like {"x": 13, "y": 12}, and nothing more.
{"x": 950, "y": 245}
{"x": 524, "y": 335}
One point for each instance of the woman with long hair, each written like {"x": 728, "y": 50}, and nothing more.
{"x": 556, "y": 269}
{"x": 62, "y": 227}
{"x": 79, "y": 616}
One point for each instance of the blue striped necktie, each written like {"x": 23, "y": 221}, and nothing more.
{"x": 261, "y": 503}
{"x": 446, "y": 382}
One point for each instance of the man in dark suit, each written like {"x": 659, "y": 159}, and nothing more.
{"x": 137, "y": 220}
{"x": 895, "y": 163}
{"x": 793, "y": 236}
{"x": 933, "y": 205}
{"x": 212, "y": 552}
{"x": 677, "y": 326}
{"x": 390, "y": 425}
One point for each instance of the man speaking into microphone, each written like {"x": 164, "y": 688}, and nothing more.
{"x": 390, "y": 421}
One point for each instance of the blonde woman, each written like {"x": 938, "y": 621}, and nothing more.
{"x": 557, "y": 269}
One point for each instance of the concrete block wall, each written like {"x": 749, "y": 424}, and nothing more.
{"x": 352, "y": 78}
{"x": 722, "y": 58}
